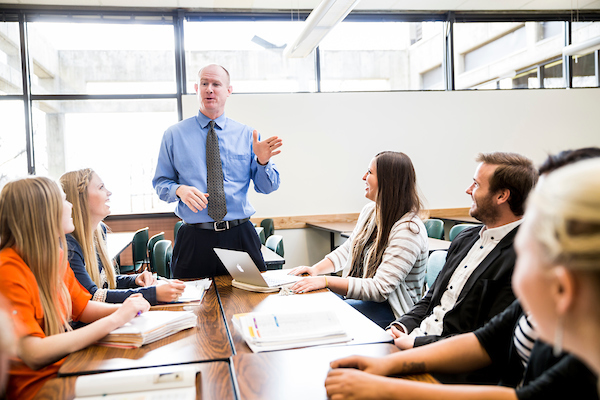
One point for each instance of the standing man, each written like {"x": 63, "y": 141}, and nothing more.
{"x": 206, "y": 163}
{"x": 475, "y": 283}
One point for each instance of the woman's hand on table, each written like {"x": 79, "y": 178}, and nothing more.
{"x": 303, "y": 270}
{"x": 309, "y": 284}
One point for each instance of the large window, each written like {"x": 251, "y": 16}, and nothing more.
{"x": 509, "y": 55}
{"x": 103, "y": 86}
{"x": 101, "y": 58}
{"x": 13, "y": 152}
{"x": 379, "y": 56}
{"x": 11, "y": 81}
{"x": 252, "y": 52}
{"x": 119, "y": 139}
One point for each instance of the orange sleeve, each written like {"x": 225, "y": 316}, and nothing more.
{"x": 79, "y": 296}
{"x": 18, "y": 285}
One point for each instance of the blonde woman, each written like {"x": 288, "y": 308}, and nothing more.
{"x": 384, "y": 259}
{"x": 41, "y": 288}
{"x": 557, "y": 275}
{"x": 87, "y": 246}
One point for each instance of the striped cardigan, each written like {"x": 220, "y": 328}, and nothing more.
{"x": 400, "y": 276}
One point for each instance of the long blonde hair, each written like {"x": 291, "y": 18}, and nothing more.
{"x": 31, "y": 223}
{"x": 90, "y": 238}
{"x": 566, "y": 217}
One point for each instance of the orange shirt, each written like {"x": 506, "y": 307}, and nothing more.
{"x": 19, "y": 286}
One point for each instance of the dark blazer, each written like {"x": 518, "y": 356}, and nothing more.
{"x": 486, "y": 293}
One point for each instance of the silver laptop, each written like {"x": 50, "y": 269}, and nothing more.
{"x": 240, "y": 266}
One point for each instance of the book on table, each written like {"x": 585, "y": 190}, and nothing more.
{"x": 265, "y": 331}
{"x": 176, "y": 382}
{"x": 149, "y": 327}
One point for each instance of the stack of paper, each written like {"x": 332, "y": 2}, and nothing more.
{"x": 150, "y": 327}
{"x": 277, "y": 331}
{"x": 173, "y": 382}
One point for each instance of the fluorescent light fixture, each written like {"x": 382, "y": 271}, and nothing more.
{"x": 580, "y": 49}
{"x": 320, "y": 21}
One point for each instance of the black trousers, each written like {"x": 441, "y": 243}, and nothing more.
{"x": 194, "y": 257}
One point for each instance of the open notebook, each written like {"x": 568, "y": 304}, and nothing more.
{"x": 149, "y": 327}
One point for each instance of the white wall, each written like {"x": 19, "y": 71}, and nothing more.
{"x": 329, "y": 139}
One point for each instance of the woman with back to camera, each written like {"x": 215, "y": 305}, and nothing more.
{"x": 87, "y": 246}
{"x": 384, "y": 259}
{"x": 43, "y": 293}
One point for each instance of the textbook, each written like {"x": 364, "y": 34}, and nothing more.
{"x": 172, "y": 382}
{"x": 149, "y": 327}
{"x": 288, "y": 330}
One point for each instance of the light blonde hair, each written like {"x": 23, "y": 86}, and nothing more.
{"x": 90, "y": 238}
{"x": 31, "y": 223}
{"x": 566, "y": 216}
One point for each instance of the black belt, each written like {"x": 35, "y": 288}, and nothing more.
{"x": 220, "y": 226}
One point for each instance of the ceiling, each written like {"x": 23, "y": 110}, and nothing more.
{"x": 364, "y": 5}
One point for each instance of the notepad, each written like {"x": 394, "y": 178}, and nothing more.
{"x": 172, "y": 382}
{"x": 194, "y": 290}
{"x": 149, "y": 327}
{"x": 277, "y": 331}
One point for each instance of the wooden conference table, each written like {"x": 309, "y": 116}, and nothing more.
{"x": 228, "y": 368}
{"x": 346, "y": 228}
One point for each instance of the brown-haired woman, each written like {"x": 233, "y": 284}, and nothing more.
{"x": 384, "y": 259}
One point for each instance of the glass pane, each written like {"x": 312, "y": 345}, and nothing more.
{"x": 101, "y": 58}
{"x": 378, "y": 56}
{"x": 526, "y": 80}
{"x": 10, "y": 59}
{"x": 584, "y": 31}
{"x": 13, "y": 151}
{"x": 119, "y": 139}
{"x": 584, "y": 71}
{"x": 252, "y": 52}
{"x": 553, "y": 75}
{"x": 495, "y": 51}
{"x": 551, "y": 28}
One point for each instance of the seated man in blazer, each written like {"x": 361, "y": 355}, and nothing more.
{"x": 475, "y": 283}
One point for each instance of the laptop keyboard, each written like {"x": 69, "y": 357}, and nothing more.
{"x": 276, "y": 280}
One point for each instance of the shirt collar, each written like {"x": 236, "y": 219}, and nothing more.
{"x": 497, "y": 234}
{"x": 203, "y": 120}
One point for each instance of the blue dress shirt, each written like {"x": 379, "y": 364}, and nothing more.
{"x": 182, "y": 161}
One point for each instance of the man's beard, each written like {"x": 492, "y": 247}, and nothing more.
{"x": 485, "y": 210}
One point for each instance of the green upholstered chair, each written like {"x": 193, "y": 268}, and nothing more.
{"x": 435, "y": 228}
{"x": 151, "y": 242}
{"x": 458, "y": 228}
{"x": 260, "y": 231}
{"x": 161, "y": 255}
{"x": 139, "y": 252}
{"x": 436, "y": 261}
{"x": 176, "y": 229}
{"x": 267, "y": 223}
{"x": 275, "y": 243}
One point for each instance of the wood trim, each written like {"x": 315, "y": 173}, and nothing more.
{"x": 299, "y": 221}
{"x": 164, "y": 221}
